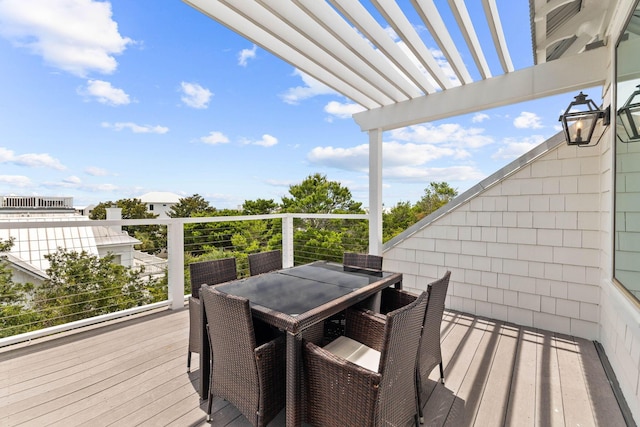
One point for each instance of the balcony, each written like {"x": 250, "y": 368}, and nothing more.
{"x": 133, "y": 372}
{"x": 129, "y": 367}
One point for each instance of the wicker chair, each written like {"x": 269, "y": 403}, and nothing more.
{"x": 249, "y": 362}
{"x": 334, "y": 326}
{"x": 205, "y": 273}
{"x": 264, "y": 262}
{"x": 372, "y": 262}
{"x": 340, "y": 392}
{"x": 430, "y": 353}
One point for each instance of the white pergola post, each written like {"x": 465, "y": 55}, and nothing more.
{"x": 175, "y": 247}
{"x": 287, "y": 241}
{"x": 375, "y": 191}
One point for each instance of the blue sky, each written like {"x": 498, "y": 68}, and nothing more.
{"x": 109, "y": 100}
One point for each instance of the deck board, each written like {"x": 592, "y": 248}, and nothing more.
{"x": 134, "y": 373}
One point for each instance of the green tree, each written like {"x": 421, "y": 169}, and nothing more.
{"x": 190, "y": 206}
{"x": 82, "y": 285}
{"x": 15, "y": 315}
{"x": 397, "y": 219}
{"x": 131, "y": 209}
{"x": 316, "y": 194}
{"x": 259, "y": 207}
{"x": 435, "y": 196}
{"x": 322, "y": 238}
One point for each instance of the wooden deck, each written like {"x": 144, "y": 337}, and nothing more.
{"x": 134, "y": 373}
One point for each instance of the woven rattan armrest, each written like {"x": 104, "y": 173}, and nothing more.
{"x": 366, "y": 327}
{"x": 393, "y": 299}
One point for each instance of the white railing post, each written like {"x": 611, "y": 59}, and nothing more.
{"x": 175, "y": 251}
{"x": 287, "y": 241}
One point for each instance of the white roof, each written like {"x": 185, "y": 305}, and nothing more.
{"x": 32, "y": 244}
{"x": 160, "y": 197}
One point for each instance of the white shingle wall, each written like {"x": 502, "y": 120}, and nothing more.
{"x": 526, "y": 250}
{"x": 535, "y": 249}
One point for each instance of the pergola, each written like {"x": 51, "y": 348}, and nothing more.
{"x": 346, "y": 45}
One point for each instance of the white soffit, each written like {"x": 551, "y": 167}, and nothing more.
{"x": 348, "y": 46}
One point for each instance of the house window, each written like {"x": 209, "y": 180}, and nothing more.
{"x": 150, "y": 207}
{"x": 626, "y": 258}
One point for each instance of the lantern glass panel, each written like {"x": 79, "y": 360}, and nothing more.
{"x": 631, "y": 121}
{"x": 580, "y": 127}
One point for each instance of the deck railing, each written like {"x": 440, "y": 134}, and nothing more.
{"x": 156, "y": 271}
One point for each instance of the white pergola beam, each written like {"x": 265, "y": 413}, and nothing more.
{"x": 406, "y": 31}
{"x": 232, "y": 20}
{"x": 432, "y": 19}
{"x": 560, "y": 76}
{"x": 365, "y": 23}
{"x": 461, "y": 14}
{"x": 329, "y": 19}
{"x": 495, "y": 26}
{"x": 306, "y": 27}
{"x": 262, "y": 18}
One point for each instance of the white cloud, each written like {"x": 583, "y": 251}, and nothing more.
{"x": 35, "y": 160}
{"x": 76, "y": 184}
{"x": 15, "y": 180}
{"x": 135, "y": 128}
{"x": 342, "y": 110}
{"x": 105, "y": 93}
{"x": 451, "y": 134}
{"x": 77, "y": 36}
{"x": 395, "y": 154}
{"x": 194, "y": 95}
{"x": 514, "y": 148}
{"x": 480, "y": 117}
{"x": 72, "y": 180}
{"x": 410, "y": 150}
{"x": 311, "y": 88}
{"x": 246, "y": 54}
{"x": 215, "y": 138}
{"x": 351, "y": 159}
{"x": 527, "y": 120}
{"x": 96, "y": 171}
{"x": 267, "y": 141}
{"x": 446, "y": 174}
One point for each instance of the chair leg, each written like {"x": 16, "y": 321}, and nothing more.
{"x": 209, "y": 405}
{"x": 419, "y": 397}
{"x": 441, "y": 373}
{"x": 188, "y": 361}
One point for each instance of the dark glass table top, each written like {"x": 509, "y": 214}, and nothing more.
{"x": 299, "y": 289}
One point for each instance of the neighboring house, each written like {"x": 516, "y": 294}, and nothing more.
{"x": 159, "y": 202}
{"x": 86, "y": 211}
{"x": 27, "y": 256}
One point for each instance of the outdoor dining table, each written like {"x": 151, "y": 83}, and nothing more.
{"x": 293, "y": 299}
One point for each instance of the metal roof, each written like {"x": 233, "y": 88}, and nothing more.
{"x": 32, "y": 244}
{"x": 394, "y": 76}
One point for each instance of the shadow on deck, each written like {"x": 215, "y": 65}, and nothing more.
{"x": 133, "y": 372}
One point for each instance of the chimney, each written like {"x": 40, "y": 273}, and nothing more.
{"x": 115, "y": 214}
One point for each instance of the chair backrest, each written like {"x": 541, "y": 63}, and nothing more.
{"x": 234, "y": 371}
{"x": 264, "y": 262}
{"x": 211, "y": 272}
{"x": 430, "y": 353}
{"x": 353, "y": 259}
{"x": 397, "y": 403}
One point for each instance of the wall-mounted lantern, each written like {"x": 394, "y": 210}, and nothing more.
{"x": 580, "y": 119}
{"x": 629, "y": 115}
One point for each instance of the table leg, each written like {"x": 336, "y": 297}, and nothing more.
{"x": 294, "y": 369}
